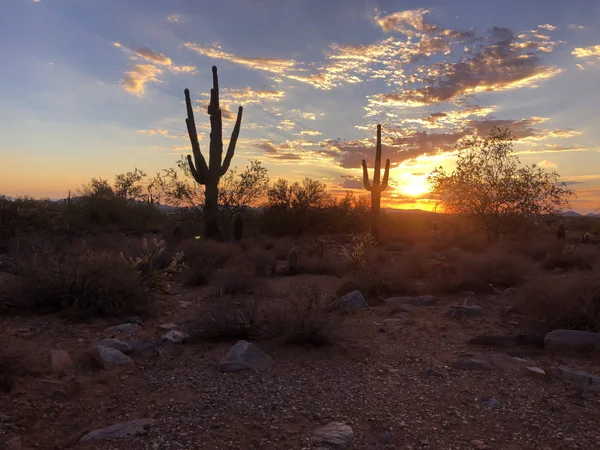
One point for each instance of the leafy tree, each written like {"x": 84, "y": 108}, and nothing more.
{"x": 130, "y": 185}
{"x": 309, "y": 194}
{"x": 490, "y": 185}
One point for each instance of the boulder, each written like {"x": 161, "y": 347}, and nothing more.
{"x": 572, "y": 340}
{"x": 144, "y": 349}
{"x": 353, "y": 299}
{"x": 337, "y": 434}
{"x": 346, "y": 288}
{"x": 59, "y": 361}
{"x": 116, "y": 344}
{"x": 120, "y": 430}
{"x": 108, "y": 358}
{"x": 244, "y": 356}
{"x": 577, "y": 378}
{"x": 167, "y": 326}
{"x": 464, "y": 312}
{"x": 400, "y": 302}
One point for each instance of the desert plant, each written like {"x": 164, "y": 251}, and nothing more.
{"x": 355, "y": 254}
{"x": 203, "y": 257}
{"x": 154, "y": 277}
{"x": 238, "y": 225}
{"x": 210, "y": 174}
{"x": 569, "y": 257}
{"x": 377, "y": 186}
{"x": 240, "y": 280}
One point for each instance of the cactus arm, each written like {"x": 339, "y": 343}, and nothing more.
{"x": 200, "y": 179}
{"x": 232, "y": 142}
{"x": 201, "y": 166}
{"x": 214, "y": 92}
{"x": 376, "y": 173}
{"x": 386, "y": 175}
{"x": 368, "y": 186}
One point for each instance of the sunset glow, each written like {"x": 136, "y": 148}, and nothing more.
{"x": 81, "y": 101}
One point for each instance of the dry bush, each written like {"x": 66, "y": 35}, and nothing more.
{"x": 473, "y": 272}
{"x": 567, "y": 258}
{"x": 80, "y": 283}
{"x": 305, "y": 316}
{"x": 240, "y": 280}
{"x": 261, "y": 261}
{"x": 282, "y": 247}
{"x": 570, "y": 301}
{"x": 203, "y": 258}
{"x": 229, "y": 318}
{"x": 316, "y": 265}
{"x": 384, "y": 282}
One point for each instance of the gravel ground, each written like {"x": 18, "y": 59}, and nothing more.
{"x": 396, "y": 388}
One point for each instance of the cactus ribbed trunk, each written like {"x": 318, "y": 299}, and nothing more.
{"x": 378, "y": 185}
{"x": 210, "y": 174}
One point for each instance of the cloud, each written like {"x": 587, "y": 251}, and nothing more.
{"x": 175, "y": 18}
{"x": 593, "y": 51}
{"x": 154, "y": 132}
{"x": 576, "y": 27}
{"x": 139, "y": 75}
{"x": 547, "y": 164}
{"x": 215, "y": 51}
{"x": 251, "y": 96}
{"x": 495, "y": 66}
{"x": 309, "y": 133}
{"x": 272, "y": 152}
{"x": 547, "y": 26}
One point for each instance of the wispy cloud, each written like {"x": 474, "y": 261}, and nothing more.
{"x": 591, "y": 54}
{"x": 175, "y": 18}
{"x": 139, "y": 75}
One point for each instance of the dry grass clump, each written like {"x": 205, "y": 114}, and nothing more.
{"x": 570, "y": 301}
{"x": 79, "y": 282}
{"x": 203, "y": 258}
{"x": 240, "y": 280}
{"x": 570, "y": 257}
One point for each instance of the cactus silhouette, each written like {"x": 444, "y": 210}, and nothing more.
{"x": 377, "y": 186}
{"x": 209, "y": 174}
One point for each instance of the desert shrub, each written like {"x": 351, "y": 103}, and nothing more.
{"x": 228, "y": 318}
{"x": 306, "y": 316}
{"x": 261, "y": 261}
{"x": 326, "y": 265}
{"x": 81, "y": 283}
{"x": 570, "y": 301}
{"x": 240, "y": 280}
{"x": 203, "y": 258}
{"x": 356, "y": 253}
{"x": 384, "y": 282}
{"x": 27, "y": 215}
{"x": 566, "y": 258}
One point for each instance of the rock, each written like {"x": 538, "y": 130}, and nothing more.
{"x": 116, "y": 344}
{"x": 533, "y": 339}
{"x": 132, "y": 319}
{"x": 578, "y": 378}
{"x": 175, "y": 336}
{"x": 535, "y": 372}
{"x": 107, "y": 357}
{"x": 12, "y": 443}
{"x": 433, "y": 373}
{"x": 510, "y": 292}
{"x": 463, "y": 312}
{"x": 353, "y": 299}
{"x": 120, "y": 430}
{"x": 399, "y": 302}
{"x": 334, "y": 433}
{"x": 572, "y": 340}
{"x": 346, "y": 288}
{"x": 471, "y": 364}
{"x": 59, "y": 361}
{"x": 494, "y": 340}
{"x": 243, "y": 356}
{"x": 478, "y": 444}
{"x": 127, "y": 328}
{"x": 184, "y": 303}
{"x": 167, "y": 326}
{"x": 144, "y": 349}
{"x": 497, "y": 361}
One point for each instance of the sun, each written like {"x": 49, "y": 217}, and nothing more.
{"x": 414, "y": 186}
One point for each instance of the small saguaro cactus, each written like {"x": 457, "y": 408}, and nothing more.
{"x": 209, "y": 174}
{"x": 377, "y": 186}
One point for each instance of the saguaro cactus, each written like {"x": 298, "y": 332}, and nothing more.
{"x": 377, "y": 187}
{"x": 209, "y": 174}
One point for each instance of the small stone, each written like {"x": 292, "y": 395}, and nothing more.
{"x": 132, "y": 319}
{"x": 433, "y": 373}
{"x": 175, "y": 336}
{"x": 59, "y": 361}
{"x": 243, "y": 356}
{"x": 109, "y": 358}
{"x": 463, "y": 312}
{"x": 168, "y": 326}
{"x": 334, "y": 433}
{"x": 127, "y": 328}
{"x": 396, "y": 303}
{"x": 120, "y": 430}
{"x": 471, "y": 364}
{"x": 115, "y": 343}
{"x": 353, "y": 299}
{"x": 535, "y": 372}
{"x": 184, "y": 304}
{"x": 478, "y": 444}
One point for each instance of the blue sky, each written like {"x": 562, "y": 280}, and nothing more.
{"x": 91, "y": 88}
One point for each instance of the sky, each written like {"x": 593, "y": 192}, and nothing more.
{"x": 92, "y": 88}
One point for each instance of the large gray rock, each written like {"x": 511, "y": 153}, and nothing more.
{"x": 353, "y": 299}
{"x": 108, "y": 358}
{"x": 578, "y": 378}
{"x": 243, "y": 356}
{"x": 572, "y": 340}
{"x": 115, "y": 343}
{"x": 337, "y": 434}
{"x": 399, "y": 302}
{"x": 120, "y": 430}
{"x": 127, "y": 328}
{"x": 144, "y": 349}
{"x": 464, "y": 312}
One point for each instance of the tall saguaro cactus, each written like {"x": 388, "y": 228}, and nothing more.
{"x": 377, "y": 186}
{"x": 209, "y": 174}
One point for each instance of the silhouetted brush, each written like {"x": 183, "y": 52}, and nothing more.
{"x": 377, "y": 186}
{"x": 209, "y": 174}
